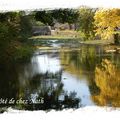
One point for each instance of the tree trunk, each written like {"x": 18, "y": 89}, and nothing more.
{"x": 70, "y": 26}
{"x": 116, "y": 38}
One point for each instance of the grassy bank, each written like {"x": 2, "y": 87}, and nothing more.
{"x": 91, "y": 42}
{"x": 60, "y": 35}
{"x": 49, "y": 37}
{"x": 98, "y": 42}
{"x": 71, "y": 35}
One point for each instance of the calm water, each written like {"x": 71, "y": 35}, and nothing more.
{"x": 69, "y": 75}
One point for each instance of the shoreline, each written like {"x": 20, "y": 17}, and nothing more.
{"x": 89, "y": 42}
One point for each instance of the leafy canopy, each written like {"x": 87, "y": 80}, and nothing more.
{"x": 86, "y": 20}
{"x": 59, "y": 15}
{"x": 107, "y": 22}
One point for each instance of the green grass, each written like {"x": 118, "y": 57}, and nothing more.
{"x": 60, "y": 35}
{"x": 92, "y": 42}
{"x": 98, "y": 42}
{"x": 48, "y": 37}
{"x": 70, "y": 35}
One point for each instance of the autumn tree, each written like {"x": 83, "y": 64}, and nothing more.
{"x": 107, "y": 23}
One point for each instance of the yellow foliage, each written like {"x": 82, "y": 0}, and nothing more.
{"x": 107, "y": 78}
{"x": 106, "y": 21}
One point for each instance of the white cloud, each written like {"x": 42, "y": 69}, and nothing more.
{"x": 32, "y": 4}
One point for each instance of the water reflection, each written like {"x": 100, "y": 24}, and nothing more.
{"x": 80, "y": 64}
{"x": 81, "y": 61}
{"x": 50, "y": 87}
{"x": 68, "y": 78}
{"x": 107, "y": 78}
{"x": 47, "y": 82}
{"x": 41, "y": 78}
{"x": 9, "y": 84}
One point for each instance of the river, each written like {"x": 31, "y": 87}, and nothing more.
{"x": 62, "y": 75}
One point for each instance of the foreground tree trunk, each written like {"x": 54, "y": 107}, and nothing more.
{"x": 116, "y": 38}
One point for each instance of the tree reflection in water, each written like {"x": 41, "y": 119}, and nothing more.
{"x": 83, "y": 61}
{"x": 107, "y": 78}
{"x": 39, "y": 78}
{"x": 9, "y": 84}
{"x": 8, "y": 81}
{"x": 49, "y": 87}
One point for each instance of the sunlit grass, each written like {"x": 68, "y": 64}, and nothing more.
{"x": 60, "y": 35}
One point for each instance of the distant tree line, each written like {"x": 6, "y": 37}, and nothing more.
{"x": 59, "y": 15}
{"x": 93, "y": 23}
{"x": 83, "y": 18}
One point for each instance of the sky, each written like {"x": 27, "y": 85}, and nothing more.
{"x": 50, "y": 4}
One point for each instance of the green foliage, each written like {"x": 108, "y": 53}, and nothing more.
{"x": 14, "y": 31}
{"x": 25, "y": 26}
{"x": 65, "y": 15}
{"x": 23, "y": 53}
{"x": 86, "y": 22}
{"x": 60, "y": 15}
{"x": 45, "y": 17}
{"x": 39, "y": 23}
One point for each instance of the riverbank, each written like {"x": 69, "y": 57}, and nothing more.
{"x": 49, "y": 37}
{"x": 109, "y": 45}
{"x": 60, "y": 35}
{"x": 98, "y": 42}
{"x": 91, "y": 42}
